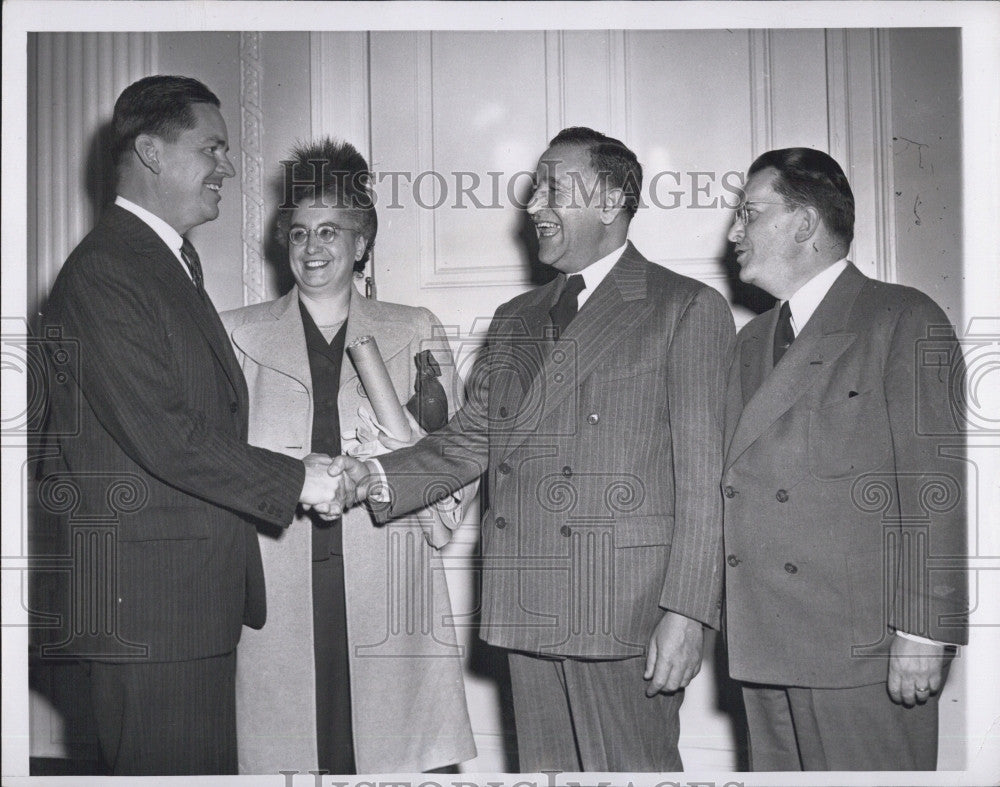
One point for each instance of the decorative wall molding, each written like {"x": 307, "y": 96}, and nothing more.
{"x": 340, "y": 95}
{"x": 619, "y": 94}
{"x": 435, "y": 271}
{"x": 859, "y": 114}
{"x": 340, "y": 88}
{"x": 252, "y": 169}
{"x": 761, "y": 113}
{"x": 73, "y": 81}
{"x": 884, "y": 174}
{"x": 555, "y": 84}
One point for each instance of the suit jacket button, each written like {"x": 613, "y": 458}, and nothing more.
{"x": 234, "y": 407}
{"x": 500, "y": 522}
{"x": 566, "y": 531}
{"x": 729, "y": 492}
{"x": 504, "y": 468}
{"x": 593, "y": 419}
{"x": 503, "y": 412}
{"x": 567, "y": 471}
{"x": 781, "y": 496}
{"x": 262, "y": 506}
{"x": 791, "y": 568}
{"x": 733, "y": 561}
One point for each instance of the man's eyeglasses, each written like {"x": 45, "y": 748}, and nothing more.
{"x": 325, "y": 233}
{"x": 743, "y": 211}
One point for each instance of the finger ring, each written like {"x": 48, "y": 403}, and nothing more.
{"x": 924, "y": 688}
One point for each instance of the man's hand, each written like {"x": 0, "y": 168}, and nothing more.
{"x": 356, "y": 477}
{"x": 323, "y": 492}
{"x": 673, "y": 656}
{"x": 916, "y": 670}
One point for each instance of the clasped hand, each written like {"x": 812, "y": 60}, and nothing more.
{"x": 334, "y": 485}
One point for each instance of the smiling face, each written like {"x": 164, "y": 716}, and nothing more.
{"x": 191, "y": 170}
{"x": 765, "y": 244}
{"x": 567, "y": 210}
{"x": 323, "y": 268}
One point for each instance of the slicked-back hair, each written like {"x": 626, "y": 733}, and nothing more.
{"x": 811, "y": 177}
{"x": 329, "y": 173}
{"x": 159, "y": 105}
{"x": 617, "y": 167}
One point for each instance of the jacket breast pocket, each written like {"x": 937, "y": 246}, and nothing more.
{"x": 644, "y": 531}
{"x": 849, "y": 437}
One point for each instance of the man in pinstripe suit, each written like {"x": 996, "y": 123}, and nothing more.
{"x": 600, "y": 434}
{"x": 151, "y": 431}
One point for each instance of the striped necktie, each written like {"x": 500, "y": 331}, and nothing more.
{"x": 190, "y": 257}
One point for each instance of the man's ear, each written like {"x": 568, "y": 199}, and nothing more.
{"x": 612, "y": 205}
{"x": 808, "y": 223}
{"x": 147, "y": 148}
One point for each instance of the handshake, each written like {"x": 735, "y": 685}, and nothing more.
{"x": 335, "y": 484}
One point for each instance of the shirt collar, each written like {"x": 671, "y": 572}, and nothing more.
{"x": 167, "y": 234}
{"x": 594, "y": 273}
{"x": 808, "y": 297}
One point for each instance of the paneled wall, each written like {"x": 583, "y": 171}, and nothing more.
{"x": 453, "y": 123}
{"x": 75, "y": 80}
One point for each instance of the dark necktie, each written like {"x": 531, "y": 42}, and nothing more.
{"x": 783, "y": 333}
{"x": 564, "y": 311}
{"x": 190, "y": 257}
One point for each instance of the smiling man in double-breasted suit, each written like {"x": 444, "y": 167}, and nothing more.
{"x": 843, "y": 488}
{"x": 601, "y": 438}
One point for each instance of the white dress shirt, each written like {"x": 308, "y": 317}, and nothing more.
{"x": 167, "y": 234}
{"x": 594, "y": 274}
{"x": 809, "y": 296}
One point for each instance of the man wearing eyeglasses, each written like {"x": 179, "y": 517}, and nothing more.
{"x": 843, "y": 486}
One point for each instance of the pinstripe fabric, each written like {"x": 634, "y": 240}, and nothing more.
{"x": 173, "y": 718}
{"x": 604, "y": 453}
{"x": 581, "y": 715}
{"x": 152, "y": 438}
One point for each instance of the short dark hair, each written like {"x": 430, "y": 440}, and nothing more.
{"x": 344, "y": 181}
{"x": 811, "y": 177}
{"x": 159, "y": 105}
{"x": 610, "y": 158}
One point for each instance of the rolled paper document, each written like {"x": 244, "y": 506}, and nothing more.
{"x": 375, "y": 378}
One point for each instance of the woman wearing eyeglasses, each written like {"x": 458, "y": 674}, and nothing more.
{"x": 357, "y": 668}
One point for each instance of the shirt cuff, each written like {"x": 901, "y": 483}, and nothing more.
{"x": 918, "y": 638}
{"x": 378, "y": 492}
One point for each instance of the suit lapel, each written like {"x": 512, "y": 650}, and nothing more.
{"x": 174, "y": 283}
{"x": 613, "y": 310}
{"x": 279, "y": 343}
{"x": 825, "y": 338}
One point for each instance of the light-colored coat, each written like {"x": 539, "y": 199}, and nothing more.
{"x": 407, "y": 692}
{"x": 843, "y": 487}
{"x": 604, "y": 453}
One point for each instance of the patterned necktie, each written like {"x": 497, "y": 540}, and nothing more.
{"x": 566, "y": 307}
{"x": 190, "y": 257}
{"x": 783, "y": 333}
